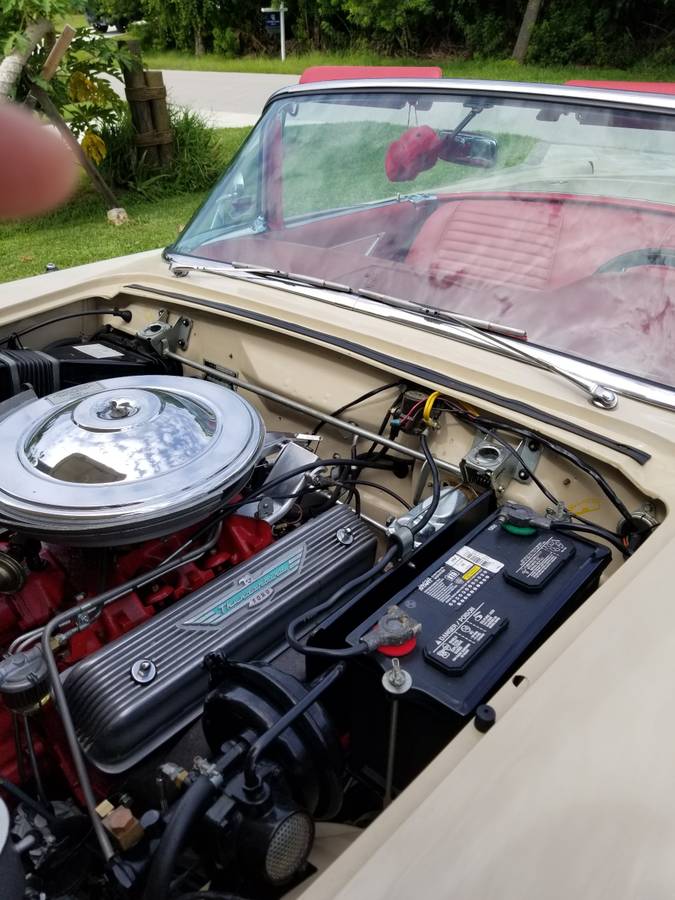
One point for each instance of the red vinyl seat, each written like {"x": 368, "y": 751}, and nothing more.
{"x": 536, "y": 242}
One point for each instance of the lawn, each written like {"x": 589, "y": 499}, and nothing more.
{"x": 501, "y": 69}
{"x": 80, "y": 233}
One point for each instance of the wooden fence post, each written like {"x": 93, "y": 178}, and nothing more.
{"x": 160, "y": 117}
{"x": 134, "y": 80}
{"x": 146, "y": 95}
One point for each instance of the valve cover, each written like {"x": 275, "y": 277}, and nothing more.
{"x": 124, "y": 459}
{"x": 141, "y": 689}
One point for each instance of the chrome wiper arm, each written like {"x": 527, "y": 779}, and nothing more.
{"x": 239, "y": 269}
{"x": 599, "y": 394}
{"x": 439, "y": 315}
{"x": 244, "y": 270}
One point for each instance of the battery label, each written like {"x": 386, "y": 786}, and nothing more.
{"x": 540, "y": 562}
{"x": 462, "y": 575}
{"x": 478, "y": 558}
{"x": 465, "y": 637}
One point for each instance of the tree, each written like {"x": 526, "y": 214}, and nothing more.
{"x": 526, "y": 29}
{"x": 25, "y": 25}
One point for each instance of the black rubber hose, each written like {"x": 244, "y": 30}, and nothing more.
{"x": 612, "y": 539}
{"x": 124, "y": 314}
{"x": 191, "y": 805}
{"x": 361, "y": 399}
{"x": 436, "y": 488}
{"x": 22, "y": 797}
{"x": 262, "y": 744}
{"x": 310, "y": 614}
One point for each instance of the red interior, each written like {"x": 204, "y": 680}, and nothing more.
{"x": 524, "y": 260}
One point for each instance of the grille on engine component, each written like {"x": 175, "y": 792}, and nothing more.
{"x": 124, "y": 459}
{"x": 289, "y": 847}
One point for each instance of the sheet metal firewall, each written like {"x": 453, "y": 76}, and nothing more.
{"x": 124, "y": 459}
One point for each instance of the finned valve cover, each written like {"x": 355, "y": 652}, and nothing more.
{"x": 124, "y": 459}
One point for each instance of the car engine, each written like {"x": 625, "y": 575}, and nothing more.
{"x": 208, "y": 650}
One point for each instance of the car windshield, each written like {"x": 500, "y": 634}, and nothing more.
{"x": 547, "y": 215}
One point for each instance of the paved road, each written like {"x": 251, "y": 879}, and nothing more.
{"x": 226, "y": 99}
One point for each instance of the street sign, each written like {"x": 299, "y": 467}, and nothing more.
{"x": 272, "y": 22}
{"x": 275, "y": 24}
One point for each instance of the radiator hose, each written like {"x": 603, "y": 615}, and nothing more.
{"x": 189, "y": 808}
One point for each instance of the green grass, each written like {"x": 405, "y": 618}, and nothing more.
{"x": 502, "y": 69}
{"x": 80, "y": 233}
{"x": 76, "y": 20}
{"x": 355, "y": 159}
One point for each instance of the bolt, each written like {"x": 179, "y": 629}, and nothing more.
{"x": 396, "y": 677}
{"x": 345, "y": 536}
{"x": 523, "y": 475}
{"x": 533, "y": 446}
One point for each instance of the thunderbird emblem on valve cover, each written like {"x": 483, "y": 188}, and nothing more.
{"x": 254, "y": 589}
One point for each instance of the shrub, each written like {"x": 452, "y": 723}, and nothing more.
{"x": 199, "y": 157}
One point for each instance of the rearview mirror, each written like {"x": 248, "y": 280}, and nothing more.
{"x": 469, "y": 148}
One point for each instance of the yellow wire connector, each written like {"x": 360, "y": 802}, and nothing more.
{"x": 428, "y": 406}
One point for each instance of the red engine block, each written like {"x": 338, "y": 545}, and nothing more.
{"x": 67, "y": 576}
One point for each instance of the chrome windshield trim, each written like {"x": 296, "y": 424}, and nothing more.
{"x": 625, "y": 385}
{"x": 563, "y": 92}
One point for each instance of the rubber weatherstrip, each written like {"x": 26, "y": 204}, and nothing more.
{"x": 419, "y": 372}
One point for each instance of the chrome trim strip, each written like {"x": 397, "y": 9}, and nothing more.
{"x": 563, "y": 92}
{"x": 623, "y": 384}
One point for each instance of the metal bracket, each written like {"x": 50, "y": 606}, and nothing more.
{"x": 490, "y": 464}
{"x": 164, "y": 337}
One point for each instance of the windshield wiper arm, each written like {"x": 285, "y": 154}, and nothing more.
{"x": 599, "y": 395}
{"x": 243, "y": 270}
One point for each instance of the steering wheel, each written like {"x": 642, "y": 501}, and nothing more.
{"x": 648, "y": 256}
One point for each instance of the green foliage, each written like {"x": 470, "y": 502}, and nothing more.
{"x": 200, "y": 155}
{"x": 575, "y": 31}
{"x": 83, "y": 97}
{"x": 81, "y": 94}
{"x": 609, "y": 32}
{"x": 225, "y": 41}
{"x": 120, "y": 12}
{"x": 17, "y": 15}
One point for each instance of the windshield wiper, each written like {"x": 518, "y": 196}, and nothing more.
{"x": 243, "y": 270}
{"x": 599, "y": 395}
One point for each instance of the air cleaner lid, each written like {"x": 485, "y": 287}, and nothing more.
{"x": 124, "y": 452}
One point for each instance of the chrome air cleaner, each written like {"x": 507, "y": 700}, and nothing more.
{"x": 124, "y": 459}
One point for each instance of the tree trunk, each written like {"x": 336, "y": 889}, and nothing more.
{"x": 12, "y": 65}
{"x": 526, "y": 28}
{"x": 200, "y": 50}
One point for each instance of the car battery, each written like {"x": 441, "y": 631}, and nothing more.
{"x": 485, "y": 603}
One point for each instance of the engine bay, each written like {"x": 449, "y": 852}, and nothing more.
{"x": 228, "y": 616}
